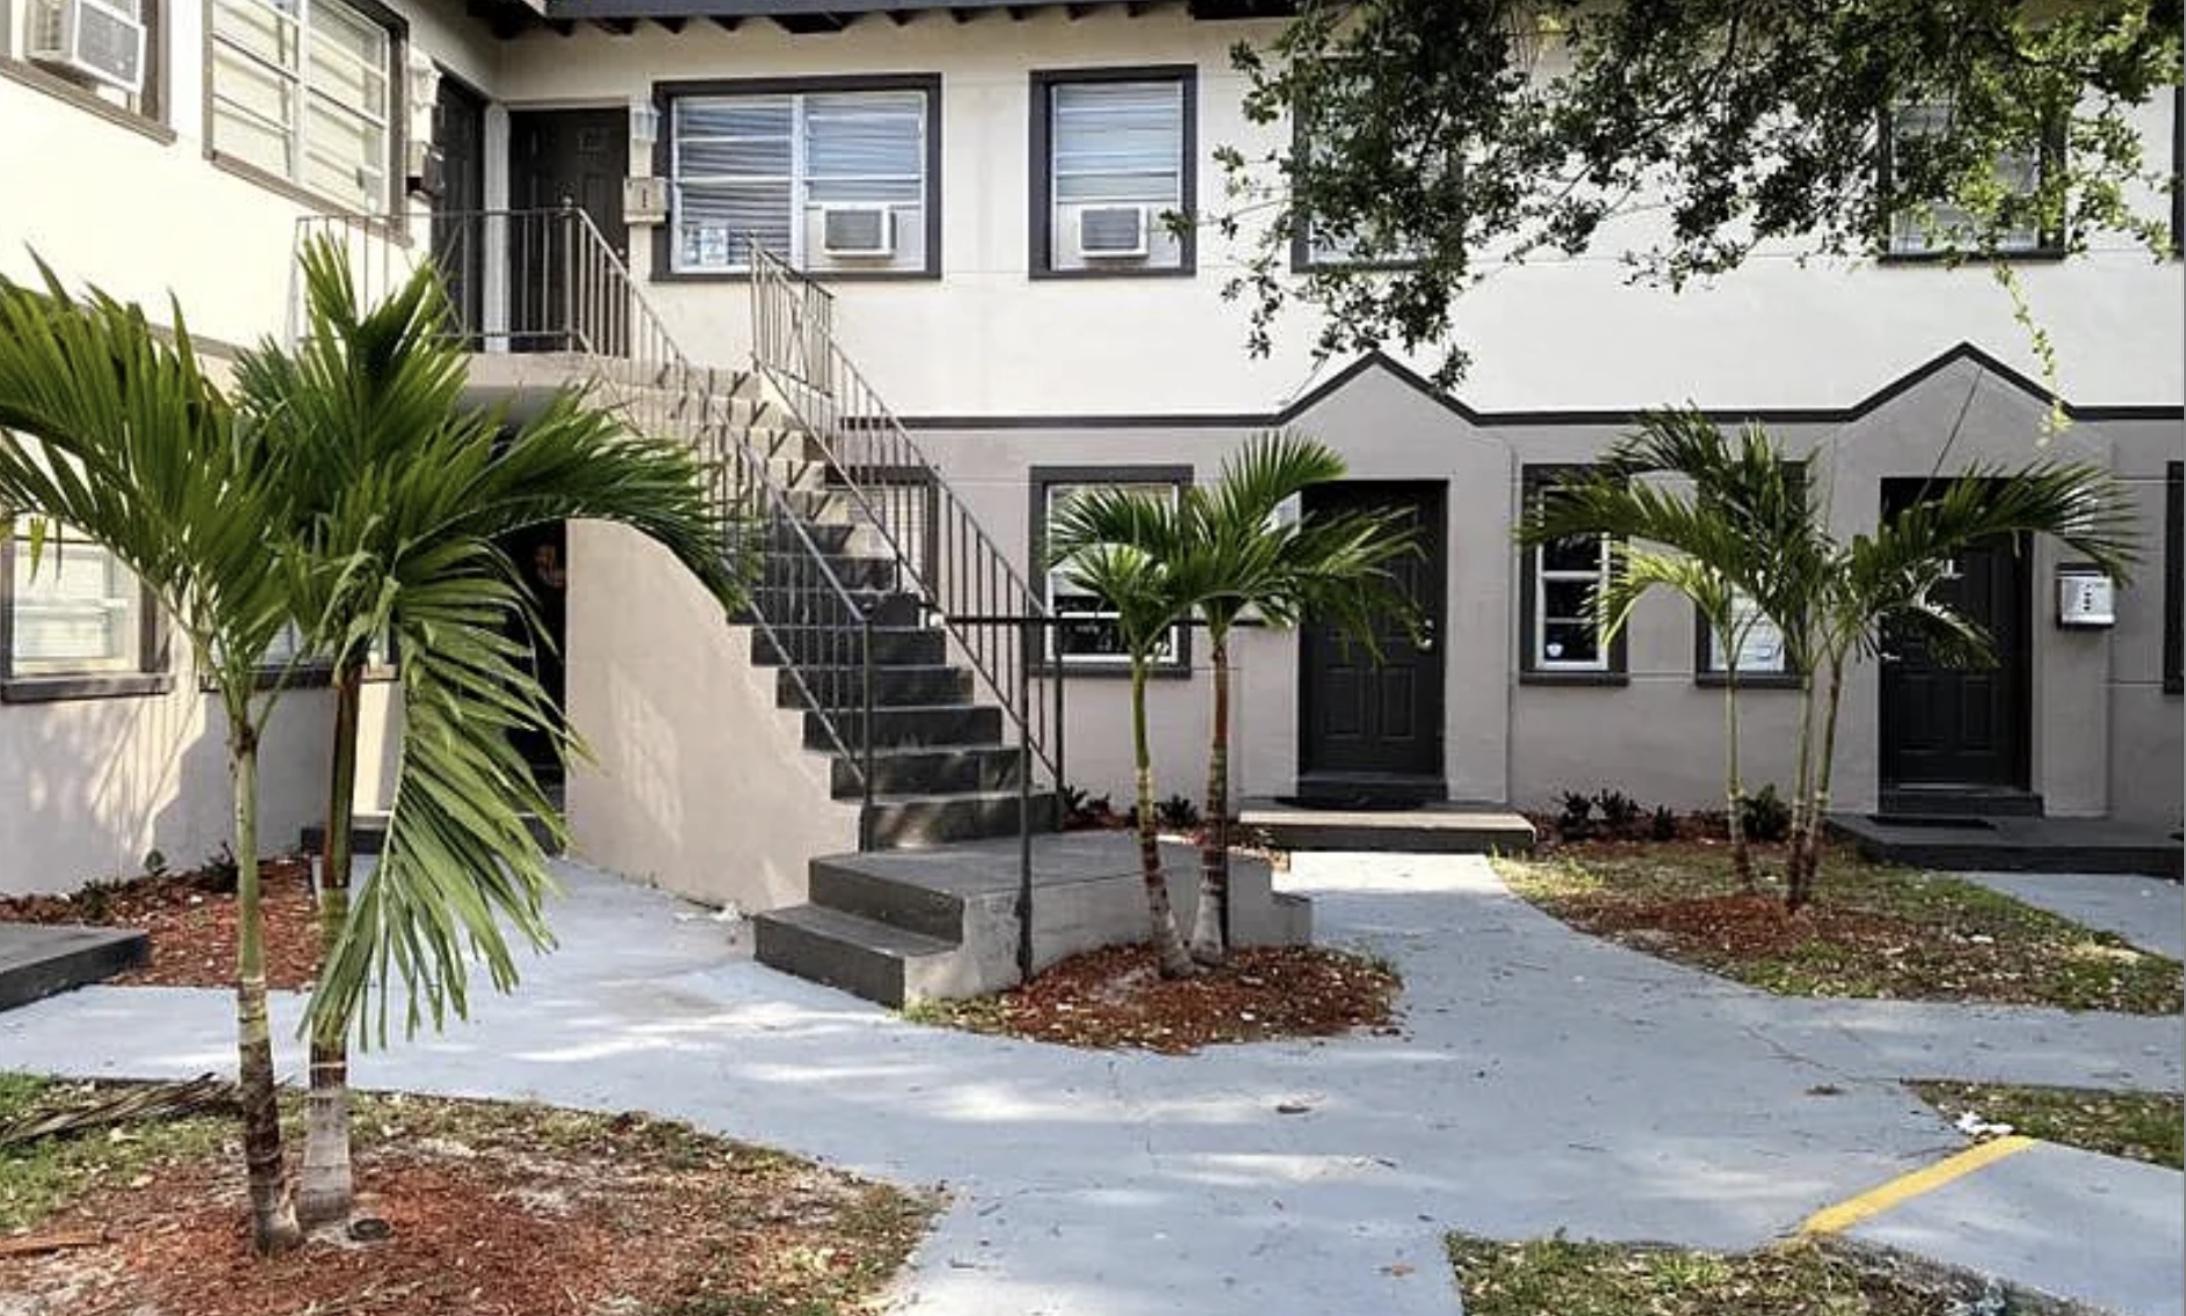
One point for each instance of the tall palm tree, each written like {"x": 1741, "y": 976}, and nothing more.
{"x": 1254, "y": 562}
{"x": 398, "y": 493}
{"x": 115, "y": 431}
{"x": 1125, "y": 547}
{"x": 1720, "y": 542}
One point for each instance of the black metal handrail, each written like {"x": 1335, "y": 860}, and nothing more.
{"x": 942, "y": 552}
{"x": 546, "y": 281}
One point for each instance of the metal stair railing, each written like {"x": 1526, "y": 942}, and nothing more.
{"x": 547, "y": 283}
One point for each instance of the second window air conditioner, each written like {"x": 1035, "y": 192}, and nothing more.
{"x": 98, "y": 40}
{"x": 1112, "y": 232}
{"x": 858, "y": 231}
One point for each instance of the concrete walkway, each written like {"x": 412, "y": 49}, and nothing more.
{"x": 1546, "y": 1081}
{"x": 2149, "y": 912}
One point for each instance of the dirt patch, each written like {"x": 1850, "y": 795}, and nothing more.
{"x": 190, "y": 918}
{"x": 496, "y": 1210}
{"x": 1116, "y": 997}
{"x": 1874, "y": 930}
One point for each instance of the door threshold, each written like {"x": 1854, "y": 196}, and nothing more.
{"x": 1910, "y": 802}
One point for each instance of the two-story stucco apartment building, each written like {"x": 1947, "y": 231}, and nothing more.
{"x": 974, "y": 190}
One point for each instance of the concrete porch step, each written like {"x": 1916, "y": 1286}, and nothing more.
{"x": 874, "y": 960}
{"x": 40, "y": 959}
{"x": 910, "y": 822}
{"x": 930, "y": 769}
{"x": 2006, "y": 844}
{"x": 1430, "y": 828}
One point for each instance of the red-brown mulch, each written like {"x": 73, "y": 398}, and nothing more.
{"x": 499, "y": 1211}
{"x": 1116, "y": 997}
{"x": 1748, "y": 926}
{"x": 191, "y": 922}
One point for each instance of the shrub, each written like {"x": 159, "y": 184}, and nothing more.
{"x": 1663, "y": 825}
{"x": 1766, "y": 815}
{"x": 1177, "y": 813}
{"x": 1576, "y": 822}
{"x": 1619, "y": 810}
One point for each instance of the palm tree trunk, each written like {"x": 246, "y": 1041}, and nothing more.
{"x": 1808, "y": 862}
{"x": 1176, "y": 962}
{"x": 273, "y": 1216}
{"x": 1210, "y": 940}
{"x": 326, "y": 1191}
{"x": 1734, "y": 788}
{"x": 1803, "y": 779}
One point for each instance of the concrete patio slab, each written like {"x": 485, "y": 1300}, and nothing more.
{"x": 2150, "y": 912}
{"x": 39, "y": 959}
{"x": 1544, "y": 1080}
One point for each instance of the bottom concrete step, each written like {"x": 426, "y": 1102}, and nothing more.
{"x": 866, "y": 958}
{"x": 2003, "y": 844}
{"x": 1439, "y": 827}
{"x": 39, "y": 959}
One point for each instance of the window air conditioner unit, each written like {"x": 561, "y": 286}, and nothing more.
{"x": 98, "y": 40}
{"x": 1112, "y": 232}
{"x": 862, "y": 231}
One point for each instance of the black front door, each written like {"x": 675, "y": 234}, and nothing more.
{"x": 1951, "y": 730}
{"x": 562, "y": 296}
{"x": 1372, "y": 731}
{"x": 459, "y": 128}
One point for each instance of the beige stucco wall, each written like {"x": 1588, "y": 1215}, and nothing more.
{"x": 700, "y": 783}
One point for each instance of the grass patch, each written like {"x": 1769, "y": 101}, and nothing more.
{"x": 493, "y": 1207}
{"x": 1557, "y": 1277}
{"x": 1875, "y": 930}
{"x": 2140, "y": 1126}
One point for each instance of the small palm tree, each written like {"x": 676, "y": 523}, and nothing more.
{"x": 1253, "y": 562}
{"x": 114, "y": 431}
{"x": 398, "y": 493}
{"x": 1123, "y": 546}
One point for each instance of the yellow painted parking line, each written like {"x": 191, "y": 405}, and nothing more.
{"x": 1904, "y": 1188}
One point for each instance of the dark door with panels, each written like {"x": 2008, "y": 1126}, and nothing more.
{"x": 459, "y": 130}
{"x": 1945, "y": 728}
{"x": 562, "y": 295}
{"x": 1370, "y": 731}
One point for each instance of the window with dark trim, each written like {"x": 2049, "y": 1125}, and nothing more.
{"x": 1114, "y": 159}
{"x": 306, "y": 97}
{"x": 841, "y": 176}
{"x": 74, "y": 623}
{"x": 1559, "y": 638}
{"x": 2174, "y": 576}
{"x": 118, "y": 37}
{"x": 1934, "y": 230}
{"x": 1762, "y": 660}
{"x": 1088, "y": 642}
{"x": 1313, "y": 248}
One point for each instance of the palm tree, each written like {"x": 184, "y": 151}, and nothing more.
{"x": 111, "y": 429}
{"x": 1254, "y": 562}
{"x": 1718, "y": 543}
{"x": 398, "y": 494}
{"x": 1125, "y": 547}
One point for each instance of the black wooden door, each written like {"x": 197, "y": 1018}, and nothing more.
{"x": 1958, "y": 728}
{"x": 459, "y": 129}
{"x": 1369, "y": 730}
{"x": 562, "y": 297}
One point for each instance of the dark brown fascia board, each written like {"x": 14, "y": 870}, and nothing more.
{"x": 792, "y": 9}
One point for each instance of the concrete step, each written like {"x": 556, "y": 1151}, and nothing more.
{"x": 893, "y": 646}
{"x": 2005, "y": 844}
{"x": 912, "y": 724}
{"x": 39, "y": 959}
{"x": 925, "y": 910}
{"x": 814, "y": 602}
{"x": 931, "y": 770}
{"x": 844, "y": 687}
{"x": 1441, "y": 827}
{"x": 794, "y": 567}
{"x": 877, "y": 961}
{"x": 917, "y": 822}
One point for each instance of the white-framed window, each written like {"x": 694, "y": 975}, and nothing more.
{"x": 1085, "y": 634}
{"x": 1118, "y": 163}
{"x": 75, "y": 610}
{"x": 1761, "y": 649}
{"x": 831, "y": 180}
{"x": 1562, "y": 634}
{"x": 304, "y": 90}
{"x": 1941, "y": 225}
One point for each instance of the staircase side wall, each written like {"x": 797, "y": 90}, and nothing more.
{"x": 699, "y": 784}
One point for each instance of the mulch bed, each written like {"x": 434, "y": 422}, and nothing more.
{"x": 498, "y": 1210}
{"x": 1116, "y": 997}
{"x": 190, "y": 917}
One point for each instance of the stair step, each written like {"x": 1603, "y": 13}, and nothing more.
{"x": 815, "y": 602}
{"x": 792, "y": 567}
{"x": 861, "y": 956}
{"x": 916, "y": 822}
{"x": 912, "y": 724}
{"x": 912, "y": 907}
{"x": 930, "y": 769}
{"x": 893, "y": 646}
{"x": 844, "y": 687}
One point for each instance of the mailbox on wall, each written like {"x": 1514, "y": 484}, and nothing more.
{"x": 2086, "y": 598}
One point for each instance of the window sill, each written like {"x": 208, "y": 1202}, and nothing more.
{"x": 88, "y": 685}
{"x": 61, "y": 89}
{"x": 1355, "y": 266}
{"x": 2042, "y": 255}
{"x": 1574, "y": 678}
{"x": 1184, "y": 271}
{"x": 1750, "y": 680}
{"x": 377, "y": 225}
